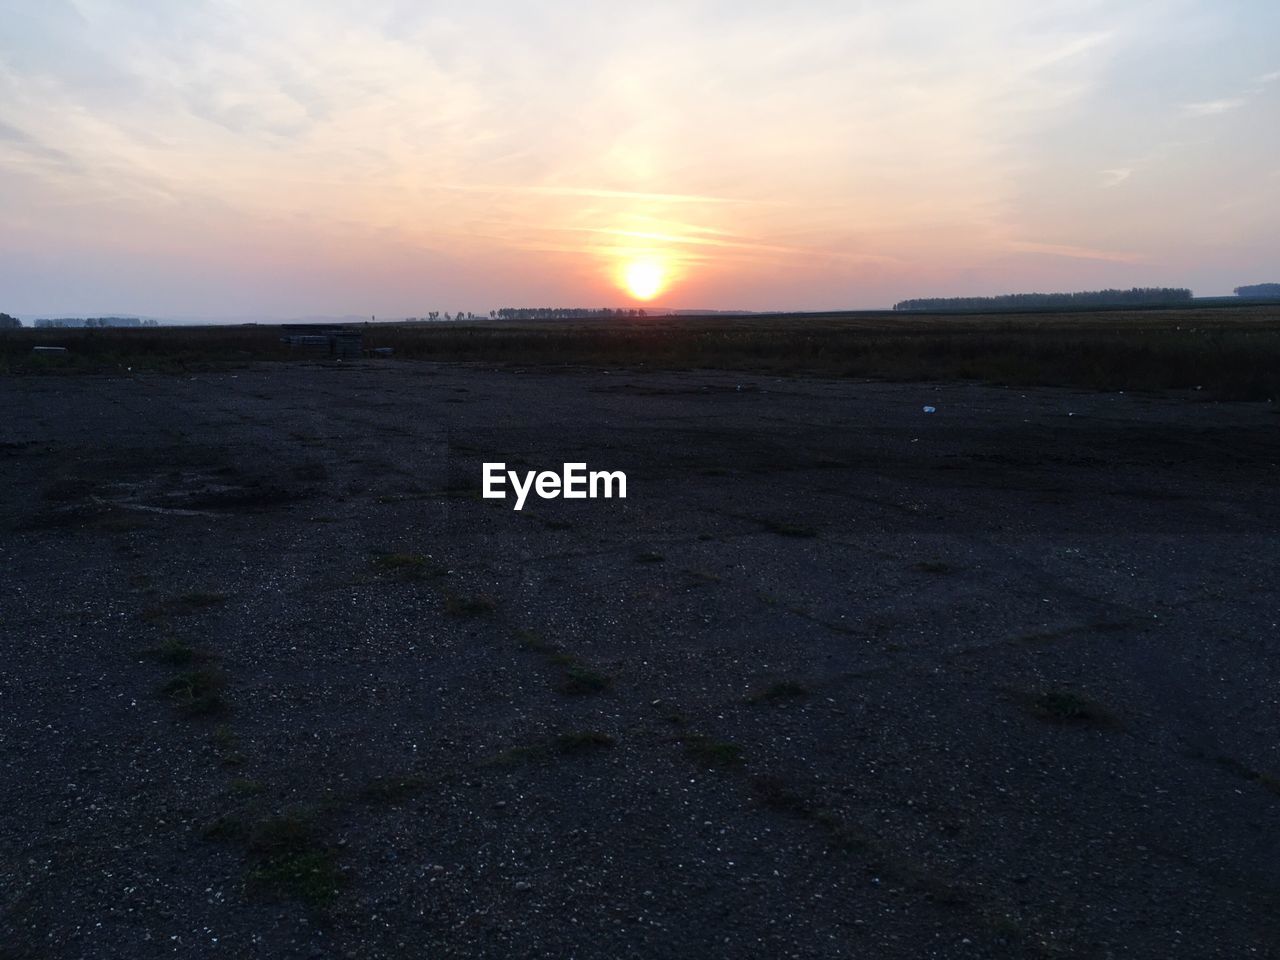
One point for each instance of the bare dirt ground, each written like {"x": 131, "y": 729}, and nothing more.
{"x": 838, "y": 679}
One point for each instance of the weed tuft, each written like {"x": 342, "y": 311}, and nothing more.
{"x": 583, "y": 741}
{"x": 174, "y": 652}
{"x": 197, "y": 693}
{"x": 785, "y": 528}
{"x": 933, "y": 566}
{"x": 580, "y": 680}
{"x": 1067, "y": 707}
{"x": 477, "y": 605}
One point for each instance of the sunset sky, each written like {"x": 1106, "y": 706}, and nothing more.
{"x": 216, "y": 158}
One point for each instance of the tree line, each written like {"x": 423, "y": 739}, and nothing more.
{"x": 1259, "y": 290}
{"x": 1138, "y": 296}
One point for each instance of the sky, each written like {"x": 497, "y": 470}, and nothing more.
{"x": 228, "y": 159}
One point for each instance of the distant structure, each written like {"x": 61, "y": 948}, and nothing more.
{"x": 9, "y": 323}
{"x": 1137, "y": 297}
{"x": 338, "y": 342}
{"x": 1259, "y": 291}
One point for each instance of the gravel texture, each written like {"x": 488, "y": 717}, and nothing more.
{"x": 839, "y": 678}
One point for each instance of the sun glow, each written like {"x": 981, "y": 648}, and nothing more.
{"x": 644, "y": 279}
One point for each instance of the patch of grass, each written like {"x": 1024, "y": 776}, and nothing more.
{"x": 535, "y": 642}
{"x": 574, "y": 742}
{"x": 197, "y": 693}
{"x": 407, "y": 566}
{"x": 709, "y": 752}
{"x": 932, "y": 566}
{"x": 474, "y": 605}
{"x": 1068, "y": 707}
{"x": 581, "y": 680}
{"x": 782, "y": 690}
{"x": 774, "y": 793}
{"x": 649, "y": 556}
{"x": 246, "y": 788}
{"x": 229, "y": 827}
{"x": 777, "y": 794}
{"x": 842, "y": 835}
{"x": 784, "y": 528}
{"x": 224, "y": 738}
{"x": 391, "y": 789}
{"x": 576, "y": 678}
{"x": 290, "y": 861}
{"x": 514, "y": 756}
{"x": 1246, "y": 772}
{"x": 583, "y": 741}
{"x": 175, "y": 653}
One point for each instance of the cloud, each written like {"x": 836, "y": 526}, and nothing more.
{"x": 1209, "y": 108}
{"x": 1116, "y": 176}
{"x": 1073, "y": 252}
{"x": 596, "y": 193}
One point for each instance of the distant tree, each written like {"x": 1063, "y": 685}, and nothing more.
{"x": 1259, "y": 291}
{"x": 9, "y": 323}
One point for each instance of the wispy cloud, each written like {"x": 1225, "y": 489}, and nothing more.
{"x": 597, "y": 193}
{"x": 1209, "y": 108}
{"x": 1073, "y": 252}
{"x": 1116, "y": 176}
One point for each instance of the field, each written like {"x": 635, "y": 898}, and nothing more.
{"x": 1233, "y": 353}
{"x": 839, "y": 678}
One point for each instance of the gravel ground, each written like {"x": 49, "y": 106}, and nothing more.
{"x": 839, "y": 678}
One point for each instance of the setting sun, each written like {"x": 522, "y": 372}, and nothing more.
{"x": 645, "y": 279}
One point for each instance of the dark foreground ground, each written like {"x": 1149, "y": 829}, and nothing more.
{"x": 839, "y": 678}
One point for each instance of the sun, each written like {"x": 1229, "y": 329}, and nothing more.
{"x": 645, "y": 279}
